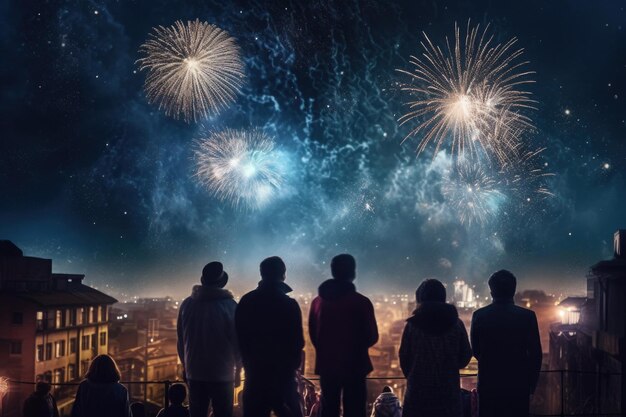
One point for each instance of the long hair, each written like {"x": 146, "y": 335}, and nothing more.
{"x": 103, "y": 369}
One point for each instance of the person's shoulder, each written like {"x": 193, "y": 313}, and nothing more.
{"x": 362, "y": 299}
{"x": 482, "y": 311}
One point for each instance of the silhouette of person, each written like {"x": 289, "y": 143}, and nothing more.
{"x": 342, "y": 327}
{"x": 505, "y": 340}
{"x": 100, "y": 394}
{"x": 269, "y": 329}
{"x": 177, "y": 394}
{"x": 138, "y": 409}
{"x": 41, "y": 403}
{"x": 207, "y": 344}
{"x": 387, "y": 404}
{"x": 434, "y": 347}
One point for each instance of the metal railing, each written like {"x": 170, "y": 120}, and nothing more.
{"x": 576, "y": 398}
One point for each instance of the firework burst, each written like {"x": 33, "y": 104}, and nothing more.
{"x": 472, "y": 192}
{"x": 240, "y": 167}
{"x": 470, "y": 95}
{"x": 194, "y": 70}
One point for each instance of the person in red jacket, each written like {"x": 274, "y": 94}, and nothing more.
{"x": 342, "y": 327}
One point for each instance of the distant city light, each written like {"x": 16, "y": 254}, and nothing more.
{"x": 567, "y": 112}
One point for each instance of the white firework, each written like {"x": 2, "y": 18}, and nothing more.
{"x": 469, "y": 94}
{"x": 240, "y": 167}
{"x": 194, "y": 69}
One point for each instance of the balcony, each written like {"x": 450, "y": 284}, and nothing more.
{"x": 559, "y": 393}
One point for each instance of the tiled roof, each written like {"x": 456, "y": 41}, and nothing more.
{"x": 75, "y": 295}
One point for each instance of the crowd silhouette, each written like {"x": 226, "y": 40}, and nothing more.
{"x": 263, "y": 335}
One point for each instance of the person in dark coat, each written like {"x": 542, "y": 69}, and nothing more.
{"x": 342, "y": 327}
{"x": 100, "y": 394}
{"x": 177, "y": 394}
{"x": 269, "y": 329}
{"x": 505, "y": 340}
{"x": 434, "y": 347}
{"x": 41, "y": 403}
{"x": 207, "y": 344}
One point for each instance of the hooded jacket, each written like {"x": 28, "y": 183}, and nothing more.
{"x": 387, "y": 405}
{"x": 101, "y": 399}
{"x": 269, "y": 328}
{"x": 207, "y": 342}
{"x": 434, "y": 347}
{"x": 342, "y": 326}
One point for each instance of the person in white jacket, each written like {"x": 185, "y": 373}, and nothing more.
{"x": 387, "y": 404}
{"x": 207, "y": 344}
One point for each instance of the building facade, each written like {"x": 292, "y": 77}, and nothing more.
{"x": 589, "y": 344}
{"x": 51, "y": 326}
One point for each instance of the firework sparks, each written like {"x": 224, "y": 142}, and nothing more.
{"x": 238, "y": 166}
{"x": 194, "y": 69}
{"x": 470, "y": 95}
{"x": 472, "y": 193}
{"x": 526, "y": 176}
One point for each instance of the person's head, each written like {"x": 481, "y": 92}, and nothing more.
{"x": 273, "y": 269}
{"x": 502, "y": 284}
{"x": 42, "y": 387}
{"x": 177, "y": 393}
{"x": 138, "y": 410}
{"x": 430, "y": 290}
{"x": 387, "y": 389}
{"x": 103, "y": 369}
{"x": 343, "y": 267}
{"x": 213, "y": 275}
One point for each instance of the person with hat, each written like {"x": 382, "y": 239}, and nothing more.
{"x": 207, "y": 344}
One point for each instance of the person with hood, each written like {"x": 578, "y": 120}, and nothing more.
{"x": 100, "y": 394}
{"x": 387, "y": 404}
{"x": 269, "y": 329}
{"x": 506, "y": 342}
{"x": 41, "y": 403}
{"x": 434, "y": 348}
{"x": 342, "y": 326}
{"x": 207, "y": 344}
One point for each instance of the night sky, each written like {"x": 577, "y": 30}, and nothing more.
{"x": 99, "y": 180}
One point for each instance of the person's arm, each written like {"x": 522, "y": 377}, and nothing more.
{"x": 474, "y": 336}
{"x": 405, "y": 353}
{"x": 297, "y": 333}
{"x": 313, "y": 321}
{"x": 372, "y": 329}
{"x": 241, "y": 330}
{"x": 55, "y": 408}
{"x": 535, "y": 354}
{"x": 180, "y": 345}
{"x": 76, "y": 411}
{"x": 465, "y": 350}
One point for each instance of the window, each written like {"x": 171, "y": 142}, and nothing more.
{"x": 39, "y": 353}
{"x": 92, "y": 315}
{"x": 71, "y": 372}
{"x": 17, "y": 318}
{"x": 72, "y": 317}
{"x": 59, "y": 349}
{"x": 73, "y": 345}
{"x": 48, "y": 351}
{"x": 40, "y": 321}
{"x": 58, "y": 376}
{"x": 105, "y": 310}
{"x": 16, "y": 347}
{"x": 80, "y": 316}
{"x": 50, "y": 319}
{"x": 85, "y": 342}
{"x": 58, "y": 319}
{"x": 100, "y": 314}
{"x": 103, "y": 338}
{"x": 94, "y": 341}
